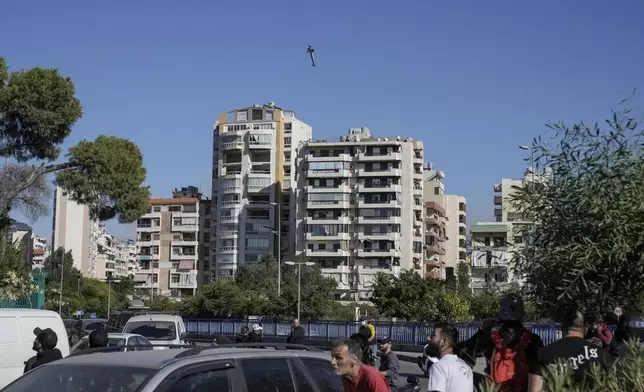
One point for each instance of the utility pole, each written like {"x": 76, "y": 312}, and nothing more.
{"x": 62, "y": 274}
{"x": 299, "y": 281}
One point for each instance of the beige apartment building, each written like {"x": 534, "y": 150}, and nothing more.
{"x": 446, "y": 227}
{"x": 362, "y": 210}
{"x": 168, "y": 246}
{"x": 253, "y": 187}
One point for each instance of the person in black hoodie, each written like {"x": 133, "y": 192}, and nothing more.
{"x": 45, "y": 348}
{"x": 297, "y": 334}
{"x": 243, "y": 335}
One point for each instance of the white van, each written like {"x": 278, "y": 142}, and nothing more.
{"x": 159, "y": 329}
{"x": 17, "y": 338}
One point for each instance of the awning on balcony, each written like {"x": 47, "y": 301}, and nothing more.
{"x": 186, "y": 264}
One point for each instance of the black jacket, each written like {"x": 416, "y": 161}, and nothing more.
{"x": 297, "y": 336}
{"x": 254, "y": 337}
{"x": 42, "y": 358}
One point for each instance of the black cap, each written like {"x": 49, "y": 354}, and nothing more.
{"x": 98, "y": 338}
{"x": 511, "y": 308}
{"x": 46, "y": 337}
{"x": 384, "y": 340}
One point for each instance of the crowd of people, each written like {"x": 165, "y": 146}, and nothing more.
{"x": 517, "y": 360}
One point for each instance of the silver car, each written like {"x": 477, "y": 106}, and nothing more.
{"x": 218, "y": 369}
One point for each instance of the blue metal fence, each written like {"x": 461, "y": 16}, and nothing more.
{"x": 407, "y": 333}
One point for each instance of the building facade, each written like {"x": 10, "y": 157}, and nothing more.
{"x": 40, "y": 251}
{"x": 362, "y": 208}
{"x": 491, "y": 256}
{"x": 253, "y": 203}
{"x": 20, "y": 235}
{"x": 75, "y": 231}
{"x": 168, "y": 243}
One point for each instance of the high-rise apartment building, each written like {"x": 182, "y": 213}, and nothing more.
{"x": 446, "y": 212}
{"x": 75, "y": 231}
{"x": 40, "y": 251}
{"x": 113, "y": 258}
{"x": 254, "y": 155}
{"x": 168, "y": 241}
{"x": 363, "y": 208}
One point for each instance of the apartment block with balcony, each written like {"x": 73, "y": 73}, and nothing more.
{"x": 254, "y": 203}
{"x": 168, "y": 243}
{"x": 491, "y": 256}
{"x": 357, "y": 219}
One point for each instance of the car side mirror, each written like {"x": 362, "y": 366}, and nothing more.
{"x": 412, "y": 380}
{"x": 183, "y": 336}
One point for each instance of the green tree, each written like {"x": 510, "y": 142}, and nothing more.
{"x": 586, "y": 245}
{"x": 463, "y": 278}
{"x": 316, "y": 290}
{"x": 72, "y": 282}
{"x": 223, "y": 299}
{"x": 162, "y": 303}
{"x": 414, "y": 298}
{"x": 37, "y": 111}
{"x": 15, "y": 278}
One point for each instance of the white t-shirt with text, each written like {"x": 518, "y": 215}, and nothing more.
{"x": 450, "y": 374}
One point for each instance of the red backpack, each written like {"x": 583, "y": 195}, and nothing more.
{"x": 509, "y": 367}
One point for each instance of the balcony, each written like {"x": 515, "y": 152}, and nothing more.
{"x": 379, "y": 173}
{"x": 380, "y": 220}
{"x": 394, "y": 156}
{"x": 434, "y": 249}
{"x": 380, "y": 204}
{"x": 184, "y": 242}
{"x": 331, "y": 237}
{"x": 144, "y": 257}
{"x": 231, "y": 175}
{"x": 327, "y": 253}
{"x": 417, "y": 191}
{"x": 235, "y": 145}
{"x": 328, "y": 204}
{"x": 227, "y": 250}
{"x": 433, "y": 263}
{"x": 379, "y": 236}
{"x": 183, "y": 256}
{"x": 332, "y": 220}
{"x": 148, "y": 228}
{"x": 498, "y": 200}
{"x": 378, "y": 253}
{"x": 184, "y": 227}
{"x": 228, "y": 234}
{"x": 379, "y": 188}
{"x": 185, "y": 280}
{"x": 339, "y": 189}
{"x": 335, "y": 158}
{"x": 328, "y": 173}
{"x": 434, "y": 220}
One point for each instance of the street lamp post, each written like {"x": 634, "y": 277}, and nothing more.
{"x": 60, "y": 295}
{"x": 299, "y": 281}
{"x": 278, "y": 233}
{"x": 526, "y": 148}
{"x": 109, "y": 294}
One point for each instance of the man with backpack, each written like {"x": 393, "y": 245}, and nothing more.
{"x": 511, "y": 350}
{"x": 571, "y": 352}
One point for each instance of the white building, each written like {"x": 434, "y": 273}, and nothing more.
{"x": 363, "y": 210}
{"x": 75, "y": 231}
{"x": 254, "y": 157}
{"x": 491, "y": 256}
{"x": 167, "y": 238}
{"x": 41, "y": 251}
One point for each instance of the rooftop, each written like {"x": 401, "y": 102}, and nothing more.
{"x": 180, "y": 200}
{"x": 489, "y": 227}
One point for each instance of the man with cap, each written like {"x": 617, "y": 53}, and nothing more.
{"x": 255, "y": 335}
{"x": 389, "y": 364}
{"x": 45, "y": 348}
{"x": 630, "y": 327}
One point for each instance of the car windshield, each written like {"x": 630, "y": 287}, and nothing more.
{"x": 73, "y": 378}
{"x": 153, "y": 330}
{"x": 116, "y": 342}
{"x": 91, "y": 325}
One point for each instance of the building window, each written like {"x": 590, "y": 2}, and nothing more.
{"x": 174, "y": 208}
{"x": 288, "y": 126}
{"x": 269, "y": 115}
{"x": 287, "y": 141}
{"x": 242, "y": 116}
{"x": 256, "y": 115}
{"x": 157, "y": 209}
{"x": 437, "y": 190}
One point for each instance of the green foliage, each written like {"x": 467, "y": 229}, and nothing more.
{"x": 626, "y": 374}
{"x": 15, "y": 278}
{"x": 254, "y": 292}
{"x": 414, "y": 298}
{"x": 37, "y": 111}
{"x": 112, "y": 168}
{"x": 79, "y": 293}
{"x": 586, "y": 245}
{"x": 463, "y": 278}
{"x": 162, "y": 303}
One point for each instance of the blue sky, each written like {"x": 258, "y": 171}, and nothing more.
{"x": 472, "y": 79}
